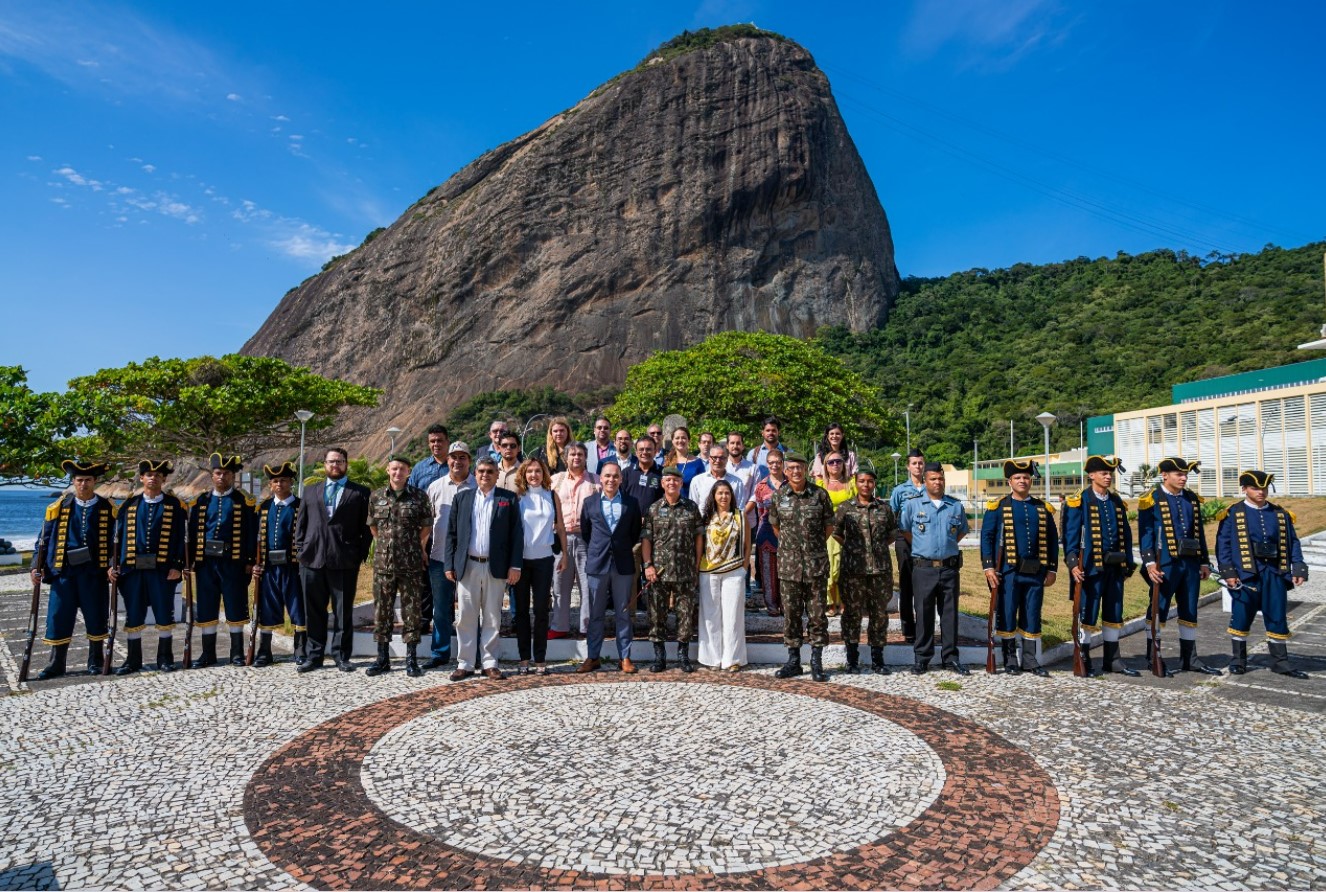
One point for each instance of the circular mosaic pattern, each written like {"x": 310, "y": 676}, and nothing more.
{"x": 309, "y": 812}
{"x": 650, "y": 779}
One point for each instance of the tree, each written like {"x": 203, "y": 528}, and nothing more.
{"x": 31, "y": 426}
{"x": 169, "y": 408}
{"x": 734, "y": 380}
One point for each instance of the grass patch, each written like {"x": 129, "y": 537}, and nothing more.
{"x": 948, "y": 686}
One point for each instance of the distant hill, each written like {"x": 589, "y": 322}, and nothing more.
{"x": 1080, "y": 338}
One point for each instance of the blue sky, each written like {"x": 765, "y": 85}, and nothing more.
{"x": 170, "y": 169}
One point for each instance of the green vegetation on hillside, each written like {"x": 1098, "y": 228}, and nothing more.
{"x": 690, "y": 41}
{"x": 1085, "y": 337}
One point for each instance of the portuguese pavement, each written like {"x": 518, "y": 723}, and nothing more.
{"x": 261, "y": 778}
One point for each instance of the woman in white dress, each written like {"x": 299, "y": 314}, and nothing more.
{"x": 723, "y": 581}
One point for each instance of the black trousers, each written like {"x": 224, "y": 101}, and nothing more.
{"x": 324, "y": 587}
{"x": 931, "y": 587}
{"x": 905, "y": 611}
{"x": 536, "y": 578}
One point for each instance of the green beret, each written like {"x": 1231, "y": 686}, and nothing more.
{"x": 673, "y": 471}
{"x": 791, "y": 457}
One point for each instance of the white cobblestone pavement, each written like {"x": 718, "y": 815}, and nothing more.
{"x": 139, "y": 782}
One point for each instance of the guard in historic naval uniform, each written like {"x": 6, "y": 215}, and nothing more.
{"x": 1020, "y": 555}
{"x": 1260, "y": 560}
{"x": 1173, "y": 545}
{"x": 223, "y": 533}
{"x": 1098, "y": 550}
{"x": 277, "y": 569}
{"x": 75, "y": 543}
{"x": 150, "y": 534}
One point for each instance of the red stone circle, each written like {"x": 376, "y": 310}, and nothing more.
{"x": 309, "y": 814}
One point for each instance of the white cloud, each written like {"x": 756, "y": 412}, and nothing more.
{"x": 78, "y": 179}
{"x": 304, "y": 241}
{"x": 34, "y": 157}
{"x": 296, "y": 136}
{"x": 282, "y": 118}
{"x": 234, "y": 97}
{"x": 149, "y": 167}
{"x": 62, "y": 202}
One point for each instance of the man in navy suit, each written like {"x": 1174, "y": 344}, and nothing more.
{"x": 332, "y": 540}
{"x": 610, "y": 526}
{"x": 483, "y": 555}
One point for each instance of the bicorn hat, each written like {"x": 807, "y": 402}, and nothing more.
{"x": 75, "y": 468}
{"x": 1179, "y": 464}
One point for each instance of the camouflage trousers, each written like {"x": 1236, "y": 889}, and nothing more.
{"x": 386, "y": 586}
{"x": 684, "y": 600}
{"x": 808, "y": 598}
{"x": 868, "y": 596}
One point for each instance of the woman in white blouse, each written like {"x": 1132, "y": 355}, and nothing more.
{"x": 723, "y": 581}
{"x": 541, "y": 519}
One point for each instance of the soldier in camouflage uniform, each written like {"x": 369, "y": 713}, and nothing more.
{"x": 865, "y": 526}
{"x": 400, "y": 517}
{"x": 802, "y": 519}
{"x": 671, "y": 542}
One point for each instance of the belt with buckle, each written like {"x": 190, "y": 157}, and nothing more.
{"x": 928, "y": 562}
{"x": 478, "y": 560}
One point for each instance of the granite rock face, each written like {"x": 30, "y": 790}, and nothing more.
{"x": 712, "y": 191}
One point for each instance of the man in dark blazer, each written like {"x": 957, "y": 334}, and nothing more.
{"x": 483, "y": 555}
{"x": 332, "y": 539}
{"x": 610, "y": 526}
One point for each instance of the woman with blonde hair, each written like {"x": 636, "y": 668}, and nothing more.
{"x": 841, "y": 487}
{"x": 553, "y": 451}
{"x": 544, "y": 545}
{"x": 680, "y": 458}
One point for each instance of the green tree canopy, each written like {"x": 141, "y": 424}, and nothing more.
{"x": 734, "y": 380}
{"x": 31, "y": 427}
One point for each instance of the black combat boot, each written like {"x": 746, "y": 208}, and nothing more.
{"x": 1280, "y": 660}
{"x": 877, "y": 661}
{"x": 55, "y": 668}
{"x": 133, "y": 657}
{"x": 382, "y": 663}
{"x": 1113, "y": 663}
{"x": 208, "y": 655}
{"x": 660, "y": 657}
{"x": 792, "y": 667}
{"x": 1188, "y": 654}
{"x": 301, "y": 648}
{"x": 1239, "y": 664}
{"x": 264, "y": 655}
{"x": 412, "y": 661}
{"x": 853, "y": 665}
{"x": 817, "y": 672}
{"x": 237, "y": 649}
{"x": 165, "y": 655}
{"x": 1092, "y": 671}
{"x": 96, "y": 657}
{"x": 684, "y": 656}
{"x": 1010, "y": 647}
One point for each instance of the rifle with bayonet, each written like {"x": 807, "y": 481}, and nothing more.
{"x": 38, "y": 570}
{"x": 1079, "y": 662}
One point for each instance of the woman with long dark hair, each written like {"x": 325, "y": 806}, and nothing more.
{"x": 834, "y": 440}
{"x": 723, "y": 581}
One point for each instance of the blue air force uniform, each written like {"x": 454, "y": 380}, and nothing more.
{"x": 905, "y": 492}
{"x": 935, "y": 559}
{"x": 1259, "y": 556}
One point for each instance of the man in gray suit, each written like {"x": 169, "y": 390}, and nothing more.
{"x": 600, "y": 448}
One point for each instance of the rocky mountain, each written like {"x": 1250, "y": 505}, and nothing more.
{"x": 713, "y": 187}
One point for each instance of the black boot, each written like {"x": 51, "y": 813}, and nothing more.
{"x": 1280, "y": 660}
{"x": 237, "y": 649}
{"x": 412, "y": 661}
{"x": 1188, "y": 654}
{"x": 1010, "y": 647}
{"x": 96, "y": 657}
{"x": 55, "y": 668}
{"x": 1029, "y": 657}
{"x": 382, "y": 663}
{"x": 301, "y": 648}
{"x": 877, "y": 661}
{"x": 660, "y": 657}
{"x": 165, "y": 655}
{"x": 1092, "y": 672}
{"x": 853, "y": 659}
{"x": 1113, "y": 663}
{"x": 133, "y": 657}
{"x": 684, "y": 656}
{"x": 208, "y": 655}
{"x": 264, "y": 655}
{"x": 817, "y": 672}
{"x": 792, "y": 667}
{"x": 1239, "y": 664}
{"x": 1168, "y": 672}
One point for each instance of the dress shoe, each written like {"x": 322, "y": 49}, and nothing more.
{"x": 437, "y": 663}
{"x": 461, "y": 675}
{"x": 301, "y": 648}
{"x": 494, "y": 673}
{"x": 309, "y": 665}
{"x": 588, "y": 666}
{"x": 345, "y": 666}
{"x": 628, "y": 667}
{"x": 957, "y": 668}
{"x": 1041, "y": 672}
{"x": 920, "y": 668}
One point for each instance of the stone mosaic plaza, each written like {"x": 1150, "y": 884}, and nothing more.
{"x": 258, "y": 778}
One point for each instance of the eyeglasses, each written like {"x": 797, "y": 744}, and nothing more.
{"x": 334, "y": 461}
{"x": 718, "y": 458}
{"x": 834, "y": 461}
{"x": 483, "y": 471}
{"x": 508, "y": 445}
{"x": 497, "y": 432}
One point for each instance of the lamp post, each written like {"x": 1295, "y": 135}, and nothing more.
{"x": 392, "y": 432}
{"x": 896, "y": 456}
{"x": 524, "y": 430}
{"x": 1046, "y": 419}
{"x": 907, "y": 413}
{"x": 303, "y": 415}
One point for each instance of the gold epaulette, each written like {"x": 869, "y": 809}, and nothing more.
{"x": 115, "y": 512}
{"x": 1074, "y": 501}
{"x": 1224, "y": 512}
{"x": 1048, "y": 507}
{"x": 53, "y": 509}
{"x": 1148, "y": 500}
{"x": 990, "y": 505}
{"x": 248, "y": 500}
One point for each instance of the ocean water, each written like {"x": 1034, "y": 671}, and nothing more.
{"x": 21, "y": 513}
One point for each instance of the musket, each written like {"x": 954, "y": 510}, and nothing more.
{"x": 114, "y": 610}
{"x": 38, "y": 566}
{"x": 990, "y": 620}
{"x": 188, "y": 607}
{"x": 1157, "y": 664}
{"x": 1079, "y": 663}
{"x": 253, "y": 624}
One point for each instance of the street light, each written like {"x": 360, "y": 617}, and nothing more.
{"x": 524, "y": 430}
{"x": 392, "y": 432}
{"x": 896, "y": 456}
{"x": 1046, "y": 419}
{"x": 303, "y": 415}
{"x": 907, "y": 413}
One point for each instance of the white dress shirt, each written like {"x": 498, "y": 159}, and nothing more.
{"x": 481, "y": 518}
{"x": 703, "y": 484}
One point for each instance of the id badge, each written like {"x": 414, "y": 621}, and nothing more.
{"x": 75, "y": 557}
{"x": 145, "y": 561}
{"x": 278, "y": 558}
{"x": 215, "y": 548}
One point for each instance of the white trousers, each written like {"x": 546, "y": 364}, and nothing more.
{"x": 723, "y": 618}
{"x": 478, "y": 617}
